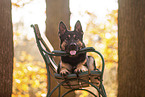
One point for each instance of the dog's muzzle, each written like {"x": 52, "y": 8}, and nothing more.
{"x": 73, "y": 48}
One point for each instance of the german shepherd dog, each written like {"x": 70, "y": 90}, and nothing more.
{"x": 71, "y": 42}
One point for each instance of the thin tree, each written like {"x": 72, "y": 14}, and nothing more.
{"x": 131, "y": 69}
{"x": 56, "y": 11}
{"x": 6, "y": 49}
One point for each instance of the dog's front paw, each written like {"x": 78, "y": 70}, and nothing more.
{"x": 64, "y": 72}
{"x": 80, "y": 69}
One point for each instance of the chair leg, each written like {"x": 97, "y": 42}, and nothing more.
{"x": 58, "y": 86}
{"x": 59, "y": 90}
{"x": 103, "y": 90}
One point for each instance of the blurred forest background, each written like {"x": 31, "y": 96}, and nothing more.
{"x": 99, "y": 21}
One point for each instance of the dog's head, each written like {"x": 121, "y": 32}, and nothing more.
{"x": 71, "y": 41}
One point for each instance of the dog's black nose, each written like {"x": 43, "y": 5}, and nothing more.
{"x": 73, "y": 46}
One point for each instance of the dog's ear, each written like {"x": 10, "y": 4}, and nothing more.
{"x": 78, "y": 27}
{"x": 62, "y": 28}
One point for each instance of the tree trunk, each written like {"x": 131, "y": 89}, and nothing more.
{"x": 6, "y": 49}
{"x": 131, "y": 28}
{"x": 56, "y": 11}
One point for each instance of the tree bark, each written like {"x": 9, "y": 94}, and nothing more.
{"x": 56, "y": 11}
{"x": 131, "y": 28}
{"x": 6, "y": 49}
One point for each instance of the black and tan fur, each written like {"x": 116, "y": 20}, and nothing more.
{"x": 71, "y": 42}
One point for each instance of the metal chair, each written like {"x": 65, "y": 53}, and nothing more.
{"x": 72, "y": 81}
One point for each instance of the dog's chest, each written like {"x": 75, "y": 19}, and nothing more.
{"x": 74, "y": 60}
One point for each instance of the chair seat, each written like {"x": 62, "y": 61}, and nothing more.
{"x": 73, "y": 81}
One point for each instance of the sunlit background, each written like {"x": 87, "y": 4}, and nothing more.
{"x": 99, "y": 22}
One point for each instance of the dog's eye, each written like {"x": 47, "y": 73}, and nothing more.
{"x": 67, "y": 38}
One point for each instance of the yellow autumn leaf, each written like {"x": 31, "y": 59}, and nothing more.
{"x": 24, "y": 87}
